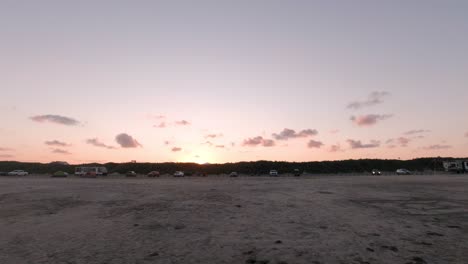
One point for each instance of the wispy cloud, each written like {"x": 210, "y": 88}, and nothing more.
{"x": 314, "y": 144}
{"x": 127, "y": 141}
{"x": 60, "y": 151}
{"x": 97, "y": 143}
{"x": 56, "y": 143}
{"x": 291, "y": 133}
{"x": 182, "y": 123}
{"x": 357, "y": 144}
{"x": 213, "y": 135}
{"x": 161, "y": 125}
{"x": 373, "y": 99}
{"x": 401, "y": 141}
{"x": 176, "y": 149}
{"x": 416, "y": 131}
{"x": 57, "y": 119}
{"x": 368, "y": 120}
{"x": 6, "y": 149}
{"x": 334, "y": 131}
{"x": 437, "y": 147}
{"x": 258, "y": 141}
{"x": 5, "y": 156}
{"x": 335, "y": 148}
{"x": 220, "y": 146}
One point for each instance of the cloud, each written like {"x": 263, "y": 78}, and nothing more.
{"x": 6, "y": 149}
{"x": 402, "y": 141}
{"x": 374, "y": 98}
{"x": 161, "y": 125}
{"x": 95, "y": 142}
{"x": 357, "y": 144}
{"x": 334, "y": 148}
{"x": 437, "y": 147}
{"x": 416, "y": 131}
{"x": 61, "y": 151}
{"x": 466, "y": 134}
{"x": 167, "y": 142}
{"x": 176, "y": 149}
{"x": 213, "y": 135}
{"x": 57, "y": 119}
{"x": 256, "y": 141}
{"x": 334, "y": 131}
{"x": 182, "y": 123}
{"x": 291, "y": 133}
{"x": 209, "y": 143}
{"x": 56, "y": 143}
{"x": 6, "y": 156}
{"x": 127, "y": 141}
{"x": 368, "y": 120}
{"x": 157, "y": 116}
{"x": 220, "y": 146}
{"x": 314, "y": 144}
{"x": 268, "y": 143}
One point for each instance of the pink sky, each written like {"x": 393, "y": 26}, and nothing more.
{"x": 232, "y": 81}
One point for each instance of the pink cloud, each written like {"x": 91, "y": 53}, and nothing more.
{"x": 95, "y": 142}
{"x": 258, "y": 141}
{"x": 176, "y": 149}
{"x": 182, "y": 123}
{"x": 416, "y": 131}
{"x": 213, "y": 135}
{"x": 127, "y": 141}
{"x": 368, "y": 120}
{"x": 56, "y": 143}
{"x": 291, "y": 133}
{"x": 57, "y": 119}
{"x": 357, "y": 144}
{"x": 6, "y": 149}
{"x": 374, "y": 98}
{"x": 314, "y": 144}
{"x": 6, "y": 156}
{"x": 334, "y": 148}
{"x": 437, "y": 147}
{"x": 334, "y": 131}
{"x": 466, "y": 134}
{"x": 61, "y": 151}
{"x": 161, "y": 125}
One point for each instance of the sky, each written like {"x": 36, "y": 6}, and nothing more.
{"x": 216, "y": 81}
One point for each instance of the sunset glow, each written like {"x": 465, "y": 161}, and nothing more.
{"x": 164, "y": 81}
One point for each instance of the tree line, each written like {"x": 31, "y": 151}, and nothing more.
{"x": 250, "y": 168}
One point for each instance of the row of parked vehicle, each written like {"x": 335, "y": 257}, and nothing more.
{"x": 152, "y": 174}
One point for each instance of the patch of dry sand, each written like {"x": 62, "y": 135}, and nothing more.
{"x": 359, "y": 219}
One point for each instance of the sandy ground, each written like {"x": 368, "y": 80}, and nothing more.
{"x": 334, "y": 219}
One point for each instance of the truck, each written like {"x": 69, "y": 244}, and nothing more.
{"x": 456, "y": 166}
{"x": 98, "y": 171}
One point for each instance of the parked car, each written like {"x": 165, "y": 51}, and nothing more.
{"x": 273, "y": 173}
{"x": 154, "y": 174}
{"x": 179, "y": 174}
{"x": 233, "y": 174}
{"x": 18, "y": 173}
{"x": 297, "y": 173}
{"x": 60, "y": 174}
{"x": 403, "y": 172}
{"x": 130, "y": 174}
{"x": 376, "y": 172}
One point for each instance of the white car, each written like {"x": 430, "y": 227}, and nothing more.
{"x": 18, "y": 173}
{"x": 273, "y": 173}
{"x": 403, "y": 172}
{"x": 179, "y": 174}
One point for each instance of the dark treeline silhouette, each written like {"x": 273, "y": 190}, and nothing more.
{"x": 250, "y": 168}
